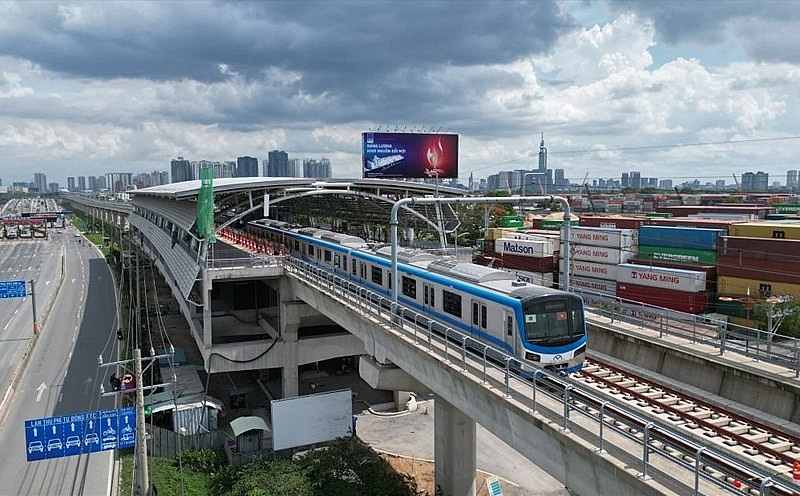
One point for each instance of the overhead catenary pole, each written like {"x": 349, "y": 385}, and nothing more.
{"x": 393, "y": 222}
{"x": 141, "y": 432}
{"x": 33, "y": 307}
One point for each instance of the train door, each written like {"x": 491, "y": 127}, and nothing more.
{"x": 428, "y": 298}
{"x": 479, "y": 318}
{"x": 509, "y": 330}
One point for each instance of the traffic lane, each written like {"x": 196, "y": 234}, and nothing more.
{"x": 47, "y": 383}
{"x": 411, "y": 435}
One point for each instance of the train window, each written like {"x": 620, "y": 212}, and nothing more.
{"x": 475, "y": 313}
{"x": 510, "y": 325}
{"x": 353, "y": 269}
{"x": 344, "y": 264}
{"x": 425, "y": 294}
{"x": 547, "y": 320}
{"x": 433, "y": 297}
{"x": 377, "y": 276}
{"x": 311, "y": 250}
{"x": 409, "y": 287}
{"x": 296, "y": 245}
{"x": 483, "y": 316}
{"x": 451, "y": 303}
{"x": 363, "y": 271}
{"x": 327, "y": 256}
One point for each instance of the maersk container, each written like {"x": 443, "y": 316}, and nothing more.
{"x": 678, "y": 255}
{"x": 760, "y": 258}
{"x": 660, "y": 277}
{"x": 682, "y": 301}
{"x": 621, "y": 239}
{"x": 525, "y": 247}
{"x": 679, "y": 237}
{"x": 777, "y": 230}
{"x": 600, "y": 254}
{"x": 581, "y": 268}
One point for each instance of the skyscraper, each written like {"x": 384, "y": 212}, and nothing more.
{"x": 40, "y": 182}
{"x": 246, "y": 167}
{"x": 791, "y": 180}
{"x": 71, "y": 183}
{"x": 542, "y": 156}
{"x": 181, "y": 170}
{"x": 81, "y": 183}
{"x": 320, "y": 169}
{"x": 277, "y": 164}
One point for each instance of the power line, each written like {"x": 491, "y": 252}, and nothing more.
{"x": 679, "y": 145}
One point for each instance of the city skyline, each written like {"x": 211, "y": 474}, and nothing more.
{"x": 664, "y": 88}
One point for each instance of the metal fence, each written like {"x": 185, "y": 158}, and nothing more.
{"x": 166, "y": 443}
{"x": 662, "y": 449}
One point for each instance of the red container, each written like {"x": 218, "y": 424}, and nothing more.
{"x": 521, "y": 262}
{"x": 759, "y": 258}
{"x": 665, "y": 298}
{"x": 613, "y": 221}
{"x": 694, "y": 222}
{"x": 710, "y": 270}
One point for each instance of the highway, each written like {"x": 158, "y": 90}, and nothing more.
{"x": 61, "y": 375}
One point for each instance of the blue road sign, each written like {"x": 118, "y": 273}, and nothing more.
{"x": 67, "y": 435}
{"x": 13, "y": 289}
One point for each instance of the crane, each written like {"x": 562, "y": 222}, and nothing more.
{"x": 738, "y": 188}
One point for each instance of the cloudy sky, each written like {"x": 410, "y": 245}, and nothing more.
{"x": 674, "y": 89}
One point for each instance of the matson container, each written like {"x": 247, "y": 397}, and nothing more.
{"x": 760, "y": 258}
{"x": 525, "y": 247}
{"x": 777, "y": 230}
{"x": 593, "y": 285}
{"x": 582, "y": 268}
{"x": 537, "y": 278}
{"x": 758, "y": 288}
{"x": 600, "y": 254}
{"x": 680, "y": 237}
{"x": 660, "y": 277}
{"x": 621, "y": 239}
{"x": 682, "y": 301}
{"x": 552, "y": 241}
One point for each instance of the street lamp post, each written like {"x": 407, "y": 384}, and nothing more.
{"x": 747, "y": 303}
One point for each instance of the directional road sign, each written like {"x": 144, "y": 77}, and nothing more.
{"x": 12, "y": 289}
{"x": 67, "y": 435}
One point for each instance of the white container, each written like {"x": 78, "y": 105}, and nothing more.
{"x": 621, "y": 239}
{"x": 593, "y": 285}
{"x": 537, "y": 278}
{"x": 661, "y": 277}
{"x": 552, "y": 241}
{"x": 524, "y": 247}
{"x": 600, "y": 254}
{"x": 581, "y": 268}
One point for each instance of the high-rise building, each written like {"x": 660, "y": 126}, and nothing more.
{"x": 277, "y": 164}
{"x": 81, "y": 183}
{"x": 791, "y": 180}
{"x": 665, "y": 184}
{"x": 320, "y": 169}
{"x": 71, "y": 183}
{"x": 246, "y": 167}
{"x": 181, "y": 170}
{"x": 52, "y": 188}
{"x": 40, "y": 182}
{"x": 755, "y": 182}
{"x": 119, "y": 182}
{"x": 542, "y": 156}
{"x": 626, "y": 182}
{"x": 636, "y": 180}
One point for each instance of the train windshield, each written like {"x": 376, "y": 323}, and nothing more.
{"x": 554, "y": 321}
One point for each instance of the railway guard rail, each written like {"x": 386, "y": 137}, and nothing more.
{"x": 664, "y": 450}
{"x": 754, "y": 343}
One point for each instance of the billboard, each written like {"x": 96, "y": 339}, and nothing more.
{"x": 409, "y": 155}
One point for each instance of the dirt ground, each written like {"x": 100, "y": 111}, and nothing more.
{"x": 423, "y": 473}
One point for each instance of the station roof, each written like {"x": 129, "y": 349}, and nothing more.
{"x": 354, "y": 200}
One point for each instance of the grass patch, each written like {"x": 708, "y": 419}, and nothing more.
{"x": 166, "y": 476}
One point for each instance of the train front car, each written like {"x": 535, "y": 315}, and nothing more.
{"x": 552, "y": 328}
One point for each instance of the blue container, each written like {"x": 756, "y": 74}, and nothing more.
{"x": 774, "y": 217}
{"x": 694, "y": 238}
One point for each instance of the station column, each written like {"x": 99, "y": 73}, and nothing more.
{"x": 454, "y": 444}
{"x": 289, "y": 324}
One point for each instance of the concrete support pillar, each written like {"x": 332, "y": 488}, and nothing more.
{"x": 207, "y": 327}
{"x": 400, "y": 400}
{"x": 454, "y": 450}
{"x": 289, "y": 320}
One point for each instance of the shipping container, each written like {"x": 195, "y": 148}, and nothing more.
{"x": 581, "y": 268}
{"x": 786, "y": 208}
{"x": 710, "y": 270}
{"x": 600, "y": 254}
{"x": 758, "y": 288}
{"x": 525, "y": 247}
{"x": 538, "y": 278}
{"x": 682, "y": 301}
{"x": 756, "y": 258}
{"x": 494, "y": 233}
{"x": 751, "y": 211}
{"x": 593, "y": 285}
{"x": 555, "y": 225}
{"x": 622, "y": 239}
{"x": 777, "y": 230}
{"x": 679, "y": 255}
{"x": 680, "y": 237}
{"x": 522, "y": 262}
{"x": 552, "y": 241}
{"x": 690, "y": 281}
{"x": 613, "y": 222}
{"x": 705, "y": 223}
{"x": 663, "y": 215}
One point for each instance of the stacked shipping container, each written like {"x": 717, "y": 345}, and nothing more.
{"x": 595, "y": 253}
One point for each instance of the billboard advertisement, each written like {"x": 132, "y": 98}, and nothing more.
{"x": 409, "y": 155}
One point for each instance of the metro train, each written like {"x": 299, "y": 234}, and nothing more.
{"x": 540, "y": 325}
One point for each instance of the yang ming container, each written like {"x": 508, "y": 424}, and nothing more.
{"x": 659, "y": 277}
{"x": 621, "y": 239}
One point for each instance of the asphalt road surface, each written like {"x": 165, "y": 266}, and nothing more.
{"x": 61, "y": 375}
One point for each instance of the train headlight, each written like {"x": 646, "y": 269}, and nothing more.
{"x": 580, "y": 351}
{"x": 533, "y": 357}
